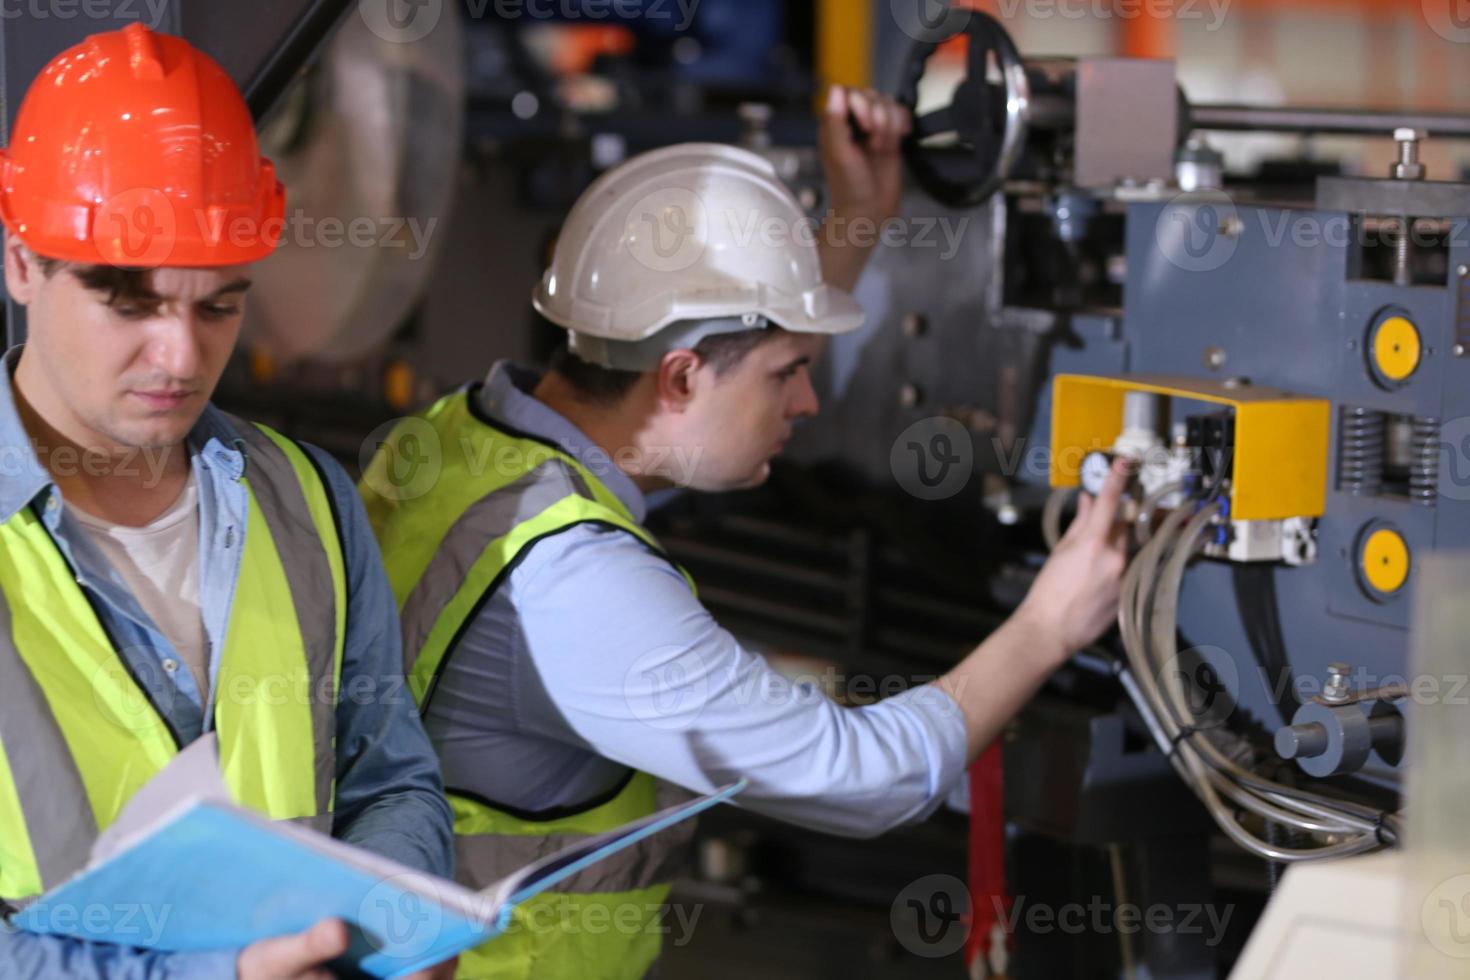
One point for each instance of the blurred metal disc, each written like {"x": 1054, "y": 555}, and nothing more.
{"x": 368, "y": 144}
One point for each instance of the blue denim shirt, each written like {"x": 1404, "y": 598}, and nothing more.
{"x": 389, "y": 793}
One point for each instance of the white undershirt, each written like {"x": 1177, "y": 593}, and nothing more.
{"x": 159, "y": 563}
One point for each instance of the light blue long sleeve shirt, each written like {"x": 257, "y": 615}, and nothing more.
{"x": 389, "y": 795}
{"x": 593, "y": 656}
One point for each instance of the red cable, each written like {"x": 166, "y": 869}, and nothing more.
{"x": 989, "y": 899}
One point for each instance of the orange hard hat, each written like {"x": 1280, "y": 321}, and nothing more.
{"x": 135, "y": 149}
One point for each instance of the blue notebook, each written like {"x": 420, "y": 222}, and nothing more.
{"x": 212, "y": 875}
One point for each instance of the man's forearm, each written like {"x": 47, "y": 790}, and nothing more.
{"x": 1001, "y": 675}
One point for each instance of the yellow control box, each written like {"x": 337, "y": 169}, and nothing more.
{"x": 1281, "y": 439}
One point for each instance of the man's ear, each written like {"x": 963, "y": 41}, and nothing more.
{"x": 23, "y": 273}
{"x": 677, "y": 379}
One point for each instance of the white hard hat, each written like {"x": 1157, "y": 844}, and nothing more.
{"x": 697, "y": 233}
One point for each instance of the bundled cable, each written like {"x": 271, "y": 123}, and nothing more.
{"x": 1213, "y": 761}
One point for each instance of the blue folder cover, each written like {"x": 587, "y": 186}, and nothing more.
{"x": 219, "y": 877}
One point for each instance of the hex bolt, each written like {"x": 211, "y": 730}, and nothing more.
{"x": 1336, "y": 691}
{"x": 1408, "y": 167}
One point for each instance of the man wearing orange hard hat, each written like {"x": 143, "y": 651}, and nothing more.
{"x": 167, "y": 569}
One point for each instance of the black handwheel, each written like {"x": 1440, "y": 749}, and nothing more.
{"x": 962, "y": 153}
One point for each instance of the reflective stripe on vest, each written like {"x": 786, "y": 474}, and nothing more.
{"x": 79, "y": 736}
{"x": 447, "y": 547}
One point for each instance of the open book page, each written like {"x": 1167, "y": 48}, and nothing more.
{"x": 220, "y": 876}
{"x": 192, "y": 777}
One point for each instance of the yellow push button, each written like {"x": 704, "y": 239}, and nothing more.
{"x": 1385, "y": 560}
{"x": 1396, "y": 348}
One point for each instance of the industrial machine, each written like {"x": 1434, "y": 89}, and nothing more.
{"x": 1285, "y": 359}
{"x": 1285, "y": 355}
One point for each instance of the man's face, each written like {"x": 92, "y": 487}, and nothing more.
{"x": 136, "y": 372}
{"x": 739, "y": 420}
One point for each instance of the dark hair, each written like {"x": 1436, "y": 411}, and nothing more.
{"x": 608, "y": 386}
{"x": 118, "y": 283}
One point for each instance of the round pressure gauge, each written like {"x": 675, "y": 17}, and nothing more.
{"x": 1095, "y": 468}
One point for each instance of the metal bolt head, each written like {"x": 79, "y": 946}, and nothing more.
{"x": 910, "y": 395}
{"x": 1460, "y": 350}
{"x": 1336, "y": 689}
{"x": 1406, "y": 133}
{"x": 1214, "y": 357}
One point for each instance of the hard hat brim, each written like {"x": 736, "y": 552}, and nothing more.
{"x": 823, "y": 310}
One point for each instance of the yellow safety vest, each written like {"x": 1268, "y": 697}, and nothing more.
{"x": 456, "y": 501}
{"x": 79, "y": 736}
